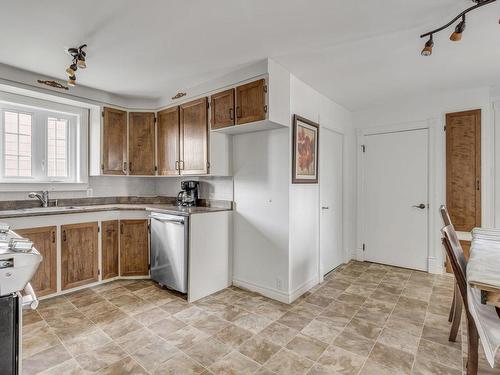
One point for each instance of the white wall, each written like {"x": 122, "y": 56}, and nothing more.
{"x": 432, "y": 109}
{"x": 261, "y": 231}
{"x": 304, "y": 199}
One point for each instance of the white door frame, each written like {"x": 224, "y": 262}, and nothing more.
{"x": 344, "y": 251}
{"x": 434, "y": 253}
{"x": 346, "y": 256}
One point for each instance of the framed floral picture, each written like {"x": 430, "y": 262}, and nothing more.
{"x": 305, "y": 151}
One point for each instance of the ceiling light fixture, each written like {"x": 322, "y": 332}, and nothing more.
{"x": 78, "y": 55}
{"x": 459, "y": 29}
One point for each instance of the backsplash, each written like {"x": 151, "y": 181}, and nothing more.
{"x": 218, "y": 188}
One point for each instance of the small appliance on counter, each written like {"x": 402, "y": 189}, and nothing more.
{"x": 18, "y": 263}
{"x": 188, "y": 196}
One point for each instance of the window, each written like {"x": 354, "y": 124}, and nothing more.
{"x": 57, "y": 155}
{"x": 17, "y": 144}
{"x": 38, "y": 144}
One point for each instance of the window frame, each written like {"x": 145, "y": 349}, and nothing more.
{"x": 77, "y": 145}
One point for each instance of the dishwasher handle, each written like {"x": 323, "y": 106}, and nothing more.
{"x": 166, "y": 220}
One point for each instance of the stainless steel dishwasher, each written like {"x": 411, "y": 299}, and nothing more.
{"x": 169, "y": 250}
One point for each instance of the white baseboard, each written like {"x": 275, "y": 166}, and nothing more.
{"x": 433, "y": 266}
{"x": 272, "y": 293}
{"x": 302, "y": 289}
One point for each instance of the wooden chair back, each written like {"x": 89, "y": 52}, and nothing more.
{"x": 457, "y": 259}
{"x": 445, "y": 215}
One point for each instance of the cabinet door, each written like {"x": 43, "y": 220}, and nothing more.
{"x": 222, "y": 105}
{"x": 194, "y": 137}
{"x": 114, "y": 142}
{"x": 110, "y": 249}
{"x": 141, "y": 143}
{"x": 168, "y": 142}
{"x": 79, "y": 254}
{"x": 134, "y": 248}
{"x": 45, "y": 280}
{"x": 251, "y": 102}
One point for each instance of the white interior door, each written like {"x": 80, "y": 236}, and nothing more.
{"x": 396, "y": 198}
{"x": 331, "y": 177}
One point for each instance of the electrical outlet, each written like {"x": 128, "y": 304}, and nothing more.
{"x": 279, "y": 284}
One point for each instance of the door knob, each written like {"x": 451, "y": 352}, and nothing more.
{"x": 325, "y": 208}
{"x": 421, "y": 206}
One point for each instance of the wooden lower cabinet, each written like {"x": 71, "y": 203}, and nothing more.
{"x": 134, "y": 248}
{"x": 44, "y": 281}
{"x": 79, "y": 254}
{"x": 110, "y": 245}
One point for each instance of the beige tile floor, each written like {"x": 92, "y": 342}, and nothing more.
{"x": 364, "y": 319}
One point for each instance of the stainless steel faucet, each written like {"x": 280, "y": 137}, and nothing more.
{"x": 43, "y": 197}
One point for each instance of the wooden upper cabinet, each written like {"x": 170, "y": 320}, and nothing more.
{"x": 44, "y": 239}
{"x": 141, "y": 143}
{"x": 79, "y": 254}
{"x": 134, "y": 247}
{"x": 194, "y": 137}
{"x": 222, "y": 105}
{"x": 168, "y": 142}
{"x": 463, "y": 169}
{"x": 110, "y": 243}
{"x": 251, "y": 102}
{"x": 114, "y": 142}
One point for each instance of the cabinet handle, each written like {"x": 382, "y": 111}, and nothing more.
{"x": 181, "y": 165}
{"x": 231, "y": 115}
{"x": 130, "y": 166}
{"x": 64, "y": 236}
{"x": 177, "y": 165}
{"x": 238, "y": 111}
{"x": 121, "y": 228}
{"x": 124, "y": 167}
{"x": 53, "y": 236}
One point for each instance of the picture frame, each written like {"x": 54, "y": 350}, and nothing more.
{"x": 305, "y": 151}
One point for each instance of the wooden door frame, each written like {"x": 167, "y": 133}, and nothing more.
{"x": 431, "y": 127}
{"x": 478, "y": 161}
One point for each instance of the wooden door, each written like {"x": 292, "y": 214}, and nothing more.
{"x": 251, "y": 102}
{"x": 134, "y": 248}
{"x": 79, "y": 262}
{"x": 463, "y": 169}
{"x": 194, "y": 137}
{"x": 114, "y": 142}
{"x": 168, "y": 142}
{"x": 110, "y": 243}
{"x": 45, "y": 280}
{"x": 222, "y": 105}
{"x": 141, "y": 143}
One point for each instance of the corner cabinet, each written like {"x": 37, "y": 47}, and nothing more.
{"x": 79, "y": 254}
{"x": 141, "y": 143}
{"x": 110, "y": 249}
{"x": 114, "y": 142}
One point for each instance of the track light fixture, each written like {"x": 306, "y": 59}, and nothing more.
{"x": 78, "y": 61}
{"x": 459, "y": 29}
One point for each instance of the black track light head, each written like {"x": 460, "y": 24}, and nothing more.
{"x": 427, "y": 51}
{"x": 457, "y": 34}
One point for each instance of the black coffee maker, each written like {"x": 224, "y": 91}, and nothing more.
{"x": 188, "y": 196}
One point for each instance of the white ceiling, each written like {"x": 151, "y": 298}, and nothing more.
{"x": 356, "y": 52}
